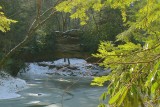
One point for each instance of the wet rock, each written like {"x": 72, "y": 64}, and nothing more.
{"x": 59, "y": 67}
{"x": 50, "y": 73}
{"x": 39, "y": 94}
{"x": 46, "y": 65}
{"x": 73, "y": 67}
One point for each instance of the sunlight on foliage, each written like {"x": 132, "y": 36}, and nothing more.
{"x": 5, "y": 22}
{"x": 78, "y": 8}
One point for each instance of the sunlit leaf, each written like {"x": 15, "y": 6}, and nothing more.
{"x": 114, "y": 98}
{"x": 154, "y": 87}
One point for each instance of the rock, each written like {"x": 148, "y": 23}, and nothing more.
{"x": 39, "y": 94}
{"x": 73, "y": 68}
{"x": 50, "y": 73}
{"x": 51, "y": 66}
{"x": 59, "y": 67}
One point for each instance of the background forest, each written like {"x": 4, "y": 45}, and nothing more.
{"x": 104, "y": 25}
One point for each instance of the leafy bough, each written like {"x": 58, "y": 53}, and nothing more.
{"x": 135, "y": 76}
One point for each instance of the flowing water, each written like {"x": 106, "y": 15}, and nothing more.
{"x": 57, "y": 91}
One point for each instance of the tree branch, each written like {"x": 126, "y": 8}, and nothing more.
{"x": 138, "y": 62}
{"x": 29, "y": 35}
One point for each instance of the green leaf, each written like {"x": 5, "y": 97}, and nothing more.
{"x": 123, "y": 97}
{"x": 117, "y": 95}
{"x": 152, "y": 74}
{"x": 100, "y": 80}
{"x": 5, "y": 22}
{"x": 103, "y": 96}
{"x": 101, "y": 105}
{"x": 154, "y": 87}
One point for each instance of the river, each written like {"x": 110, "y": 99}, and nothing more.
{"x": 56, "y": 91}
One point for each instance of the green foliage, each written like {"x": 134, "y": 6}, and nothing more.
{"x": 24, "y": 12}
{"x": 90, "y": 41}
{"x": 135, "y": 71}
{"x": 134, "y": 66}
{"x": 102, "y": 26}
{"x": 78, "y": 8}
{"x": 5, "y": 22}
{"x": 14, "y": 66}
{"x": 135, "y": 62}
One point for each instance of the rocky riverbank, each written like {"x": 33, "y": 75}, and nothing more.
{"x": 77, "y": 67}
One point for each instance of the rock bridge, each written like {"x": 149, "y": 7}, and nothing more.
{"x": 68, "y": 44}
